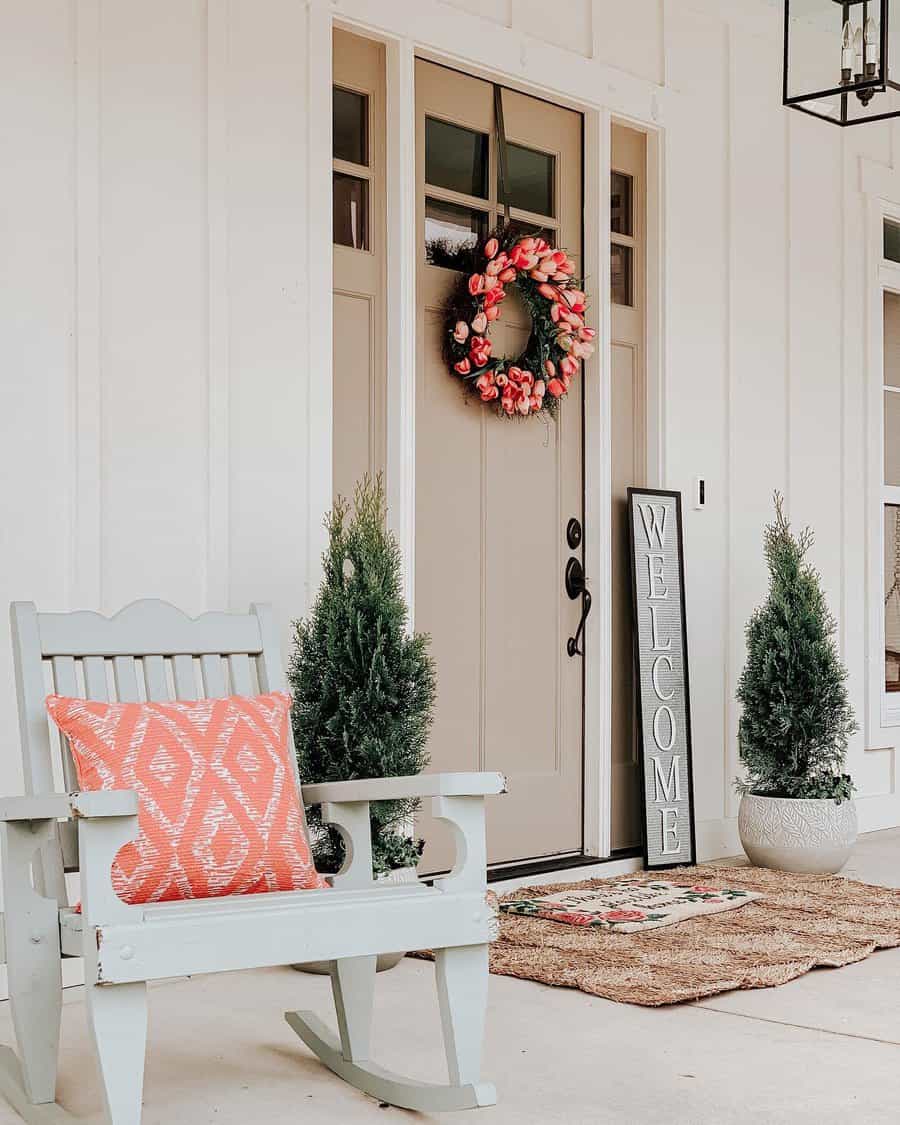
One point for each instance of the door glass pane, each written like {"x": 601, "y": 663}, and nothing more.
{"x": 350, "y": 126}
{"x": 531, "y": 178}
{"x": 452, "y": 233}
{"x": 892, "y": 437}
{"x": 456, "y": 158}
{"x": 351, "y": 211}
{"x": 521, "y": 229}
{"x": 620, "y": 274}
{"x": 621, "y": 189}
{"x": 892, "y": 597}
{"x": 892, "y": 240}
{"x": 891, "y": 339}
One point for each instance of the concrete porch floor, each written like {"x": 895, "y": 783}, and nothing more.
{"x": 824, "y": 1048}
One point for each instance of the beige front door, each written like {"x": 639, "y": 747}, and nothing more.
{"x": 494, "y": 495}
{"x": 628, "y": 458}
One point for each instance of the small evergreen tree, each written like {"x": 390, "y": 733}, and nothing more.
{"x": 363, "y": 688}
{"x": 796, "y": 719}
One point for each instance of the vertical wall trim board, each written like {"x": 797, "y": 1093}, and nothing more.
{"x": 87, "y": 449}
{"x": 595, "y": 29}
{"x": 842, "y": 437}
{"x": 730, "y": 710}
{"x": 216, "y": 593}
{"x": 874, "y": 463}
{"x": 319, "y": 301}
{"x": 597, "y": 492}
{"x": 656, "y": 302}
{"x": 788, "y": 333}
{"x": 401, "y": 304}
{"x": 663, "y": 53}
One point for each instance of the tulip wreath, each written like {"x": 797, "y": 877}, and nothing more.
{"x": 545, "y": 279}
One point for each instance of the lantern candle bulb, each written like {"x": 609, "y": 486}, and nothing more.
{"x": 846, "y": 53}
{"x": 858, "y": 53}
{"x": 871, "y": 48}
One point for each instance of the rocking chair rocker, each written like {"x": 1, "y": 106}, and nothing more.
{"x": 47, "y": 833}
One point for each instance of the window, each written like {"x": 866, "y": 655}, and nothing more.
{"x": 451, "y": 233}
{"x": 463, "y": 196}
{"x": 621, "y": 251}
{"x": 891, "y": 491}
{"x": 532, "y": 180}
{"x": 351, "y": 211}
{"x": 456, "y": 158}
{"x": 352, "y": 171}
{"x": 891, "y": 241}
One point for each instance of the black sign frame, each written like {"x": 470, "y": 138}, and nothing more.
{"x": 651, "y": 862}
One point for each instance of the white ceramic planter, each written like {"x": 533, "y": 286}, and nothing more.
{"x": 385, "y": 960}
{"x": 810, "y": 837}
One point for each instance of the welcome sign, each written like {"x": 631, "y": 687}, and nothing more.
{"x": 661, "y": 676}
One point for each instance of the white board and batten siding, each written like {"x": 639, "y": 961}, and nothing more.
{"x": 165, "y": 257}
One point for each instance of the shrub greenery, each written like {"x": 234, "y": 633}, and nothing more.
{"x": 796, "y": 718}
{"x": 363, "y": 687}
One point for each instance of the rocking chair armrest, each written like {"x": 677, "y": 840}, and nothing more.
{"x": 66, "y": 806}
{"x": 396, "y": 788}
{"x": 457, "y": 798}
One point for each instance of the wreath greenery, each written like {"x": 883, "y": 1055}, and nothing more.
{"x": 545, "y": 279}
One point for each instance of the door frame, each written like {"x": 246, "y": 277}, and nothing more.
{"x": 501, "y": 56}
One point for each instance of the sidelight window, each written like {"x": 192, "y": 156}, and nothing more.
{"x": 351, "y": 168}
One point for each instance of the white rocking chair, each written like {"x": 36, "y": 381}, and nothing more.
{"x": 47, "y": 833}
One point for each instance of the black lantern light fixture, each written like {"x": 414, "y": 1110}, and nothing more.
{"x": 837, "y": 59}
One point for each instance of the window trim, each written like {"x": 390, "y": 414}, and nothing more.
{"x": 627, "y": 241}
{"x": 883, "y": 706}
{"x": 364, "y": 172}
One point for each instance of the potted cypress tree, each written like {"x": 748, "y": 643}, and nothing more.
{"x": 363, "y": 686}
{"x": 797, "y": 812}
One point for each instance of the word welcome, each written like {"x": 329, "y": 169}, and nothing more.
{"x": 659, "y": 629}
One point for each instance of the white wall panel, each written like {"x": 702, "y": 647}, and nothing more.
{"x": 631, "y": 36}
{"x": 696, "y": 375}
{"x": 37, "y": 277}
{"x": 153, "y": 315}
{"x": 569, "y": 25}
{"x": 268, "y": 279}
{"x": 815, "y": 341}
{"x": 759, "y": 381}
{"x": 497, "y": 11}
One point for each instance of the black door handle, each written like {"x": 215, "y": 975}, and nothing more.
{"x": 576, "y": 587}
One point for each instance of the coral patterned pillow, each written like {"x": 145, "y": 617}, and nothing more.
{"x": 219, "y": 812}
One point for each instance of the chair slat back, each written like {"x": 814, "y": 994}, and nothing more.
{"x": 155, "y": 678}
{"x": 150, "y": 650}
{"x": 213, "y": 675}
{"x": 185, "y": 676}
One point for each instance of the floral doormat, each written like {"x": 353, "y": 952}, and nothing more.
{"x": 798, "y": 922}
{"x": 630, "y": 905}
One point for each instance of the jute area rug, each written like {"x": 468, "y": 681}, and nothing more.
{"x": 799, "y": 922}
